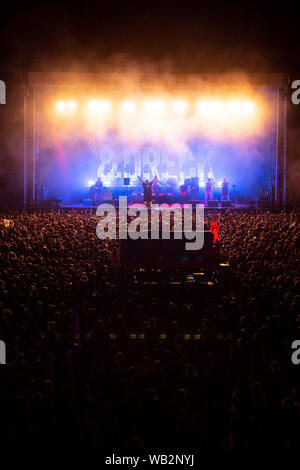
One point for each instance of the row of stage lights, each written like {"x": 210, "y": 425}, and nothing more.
{"x": 178, "y": 107}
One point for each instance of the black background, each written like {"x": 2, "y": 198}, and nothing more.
{"x": 189, "y": 35}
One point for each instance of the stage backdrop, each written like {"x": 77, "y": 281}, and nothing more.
{"x": 74, "y": 152}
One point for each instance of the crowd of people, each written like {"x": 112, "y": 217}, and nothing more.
{"x": 99, "y": 362}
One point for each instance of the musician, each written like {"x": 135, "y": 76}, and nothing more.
{"x": 208, "y": 190}
{"x": 156, "y": 188}
{"x": 225, "y": 190}
{"x": 147, "y": 191}
{"x": 184, "y": 193}
{"x": 98, "y": 189}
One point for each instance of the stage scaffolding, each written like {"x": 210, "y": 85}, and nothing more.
{"x": 36, "y": 83}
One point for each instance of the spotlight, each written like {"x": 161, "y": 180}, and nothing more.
{"x": 216, "y": 105}
{"x": 203, "y": 106}
{"x": 234, "y": 105}
{"x": 209, "y": 107}
{"x": 154, "y": 105}
{"x": 60, "y": 106}
{"x": 72, "y": 105}
{"x": 103, "y": 106}
{"x": 159, "y": 106}
{"x": 93, "y": 105}
{"x": 149, "y": 105}
{"x": 179, "y": 106}
{"x": 128, "y": 106}
{"x": 248, "y": 107}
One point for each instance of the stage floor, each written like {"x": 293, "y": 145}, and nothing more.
{"x": 82, "y": 206}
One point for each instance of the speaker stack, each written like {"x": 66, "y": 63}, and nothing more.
{"x": 226, "y": 204}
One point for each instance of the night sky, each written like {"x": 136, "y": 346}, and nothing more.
{"x": 189, "y": 35}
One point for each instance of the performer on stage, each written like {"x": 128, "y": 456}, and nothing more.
{"x": 98, "y": 189}
{"x": 208, "y": 190}
{"x": 147, "y": 191}
{"x": 225, "y": 191}
{"x": 184, "y": 193}
{"x": 156, "y": 188}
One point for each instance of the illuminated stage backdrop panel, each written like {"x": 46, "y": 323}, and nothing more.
{"x": 81, "y": 139}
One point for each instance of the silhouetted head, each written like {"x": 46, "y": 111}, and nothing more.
{"x": 147, "y": 181}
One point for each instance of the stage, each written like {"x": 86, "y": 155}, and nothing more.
{"x": 182, "y": 130}
{"x": 234, "y": 207}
